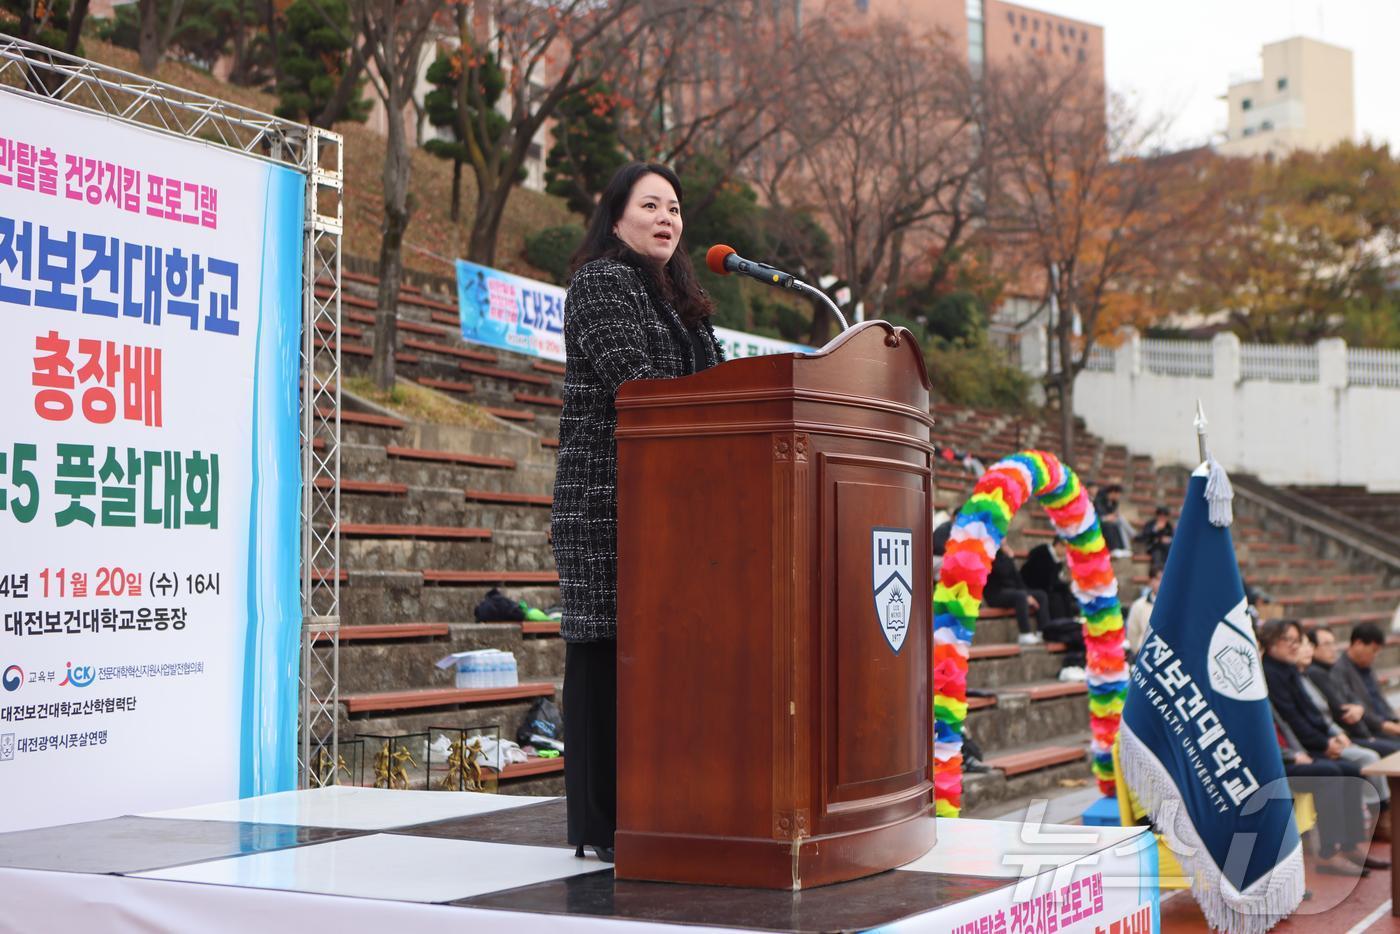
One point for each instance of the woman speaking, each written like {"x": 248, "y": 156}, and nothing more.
{"x": 634, "y": 311}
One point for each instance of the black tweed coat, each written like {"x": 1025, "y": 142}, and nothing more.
{"x": 615, "y": 329}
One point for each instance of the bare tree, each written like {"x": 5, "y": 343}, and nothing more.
{"x": 394, "y": 33}
{"x": 706, "y": 81}
{"x": 548, "y": 52}
{"x": 885, "y": 149}
{"x": 1092, "y": 208}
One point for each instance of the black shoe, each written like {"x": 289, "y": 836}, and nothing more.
{"x": 604, "y": 853}
{"x": 578, "y": 853}
{"x": 975, "y": 765}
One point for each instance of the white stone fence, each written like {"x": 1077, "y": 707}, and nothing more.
{"x": 1326, "y": 414}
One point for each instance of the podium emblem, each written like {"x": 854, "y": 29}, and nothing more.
{"x": 891, "y": 564}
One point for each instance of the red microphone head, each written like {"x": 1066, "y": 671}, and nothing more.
{"x": 714, "y": 258}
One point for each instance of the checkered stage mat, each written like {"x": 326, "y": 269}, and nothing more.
{"x": 475, "y": 850}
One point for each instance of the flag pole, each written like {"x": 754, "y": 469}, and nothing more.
{"x": 1219, "y": 493}
{"x": 1201, "y": 424}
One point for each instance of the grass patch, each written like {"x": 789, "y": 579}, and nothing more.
{"x": 419, "y": 403}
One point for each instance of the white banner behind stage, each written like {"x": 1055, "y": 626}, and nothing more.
{"x": 150, "y": 296}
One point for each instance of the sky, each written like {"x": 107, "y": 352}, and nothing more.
{"x": 1176, "y": 59}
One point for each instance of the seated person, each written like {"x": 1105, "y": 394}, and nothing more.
{"x": 1116, "y": 531}
{"x": 1341, "y": 826}
{"x": 1317, "y": 750}
{"x": 1005, "y": 589}
{"x": 1156, "y": 537}
{"x": 1346, "y": 709}
{"x": 1355, "y": 752}
{"x": 1140, "y": 613}
{"x": 1044, "y": 570}
{"x": 1356, "y": 682}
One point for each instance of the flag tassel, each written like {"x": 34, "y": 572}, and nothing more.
{"x": 1254, "y": 911}
{"x": 1219, "y": 494}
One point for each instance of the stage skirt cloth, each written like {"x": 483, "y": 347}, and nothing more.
{"x": 590, "y": 741}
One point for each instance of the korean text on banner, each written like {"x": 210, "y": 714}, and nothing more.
{"x": 150, "y": 294}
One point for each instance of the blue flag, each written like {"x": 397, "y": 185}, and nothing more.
{"x": 1198, "y": 745}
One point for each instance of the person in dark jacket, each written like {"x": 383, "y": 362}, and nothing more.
{"x": 1156, "y": 537}
{"x": 1319, "y": 757}
{"x": 1044, "y": 570}
{"x": 634, "y": 310}
{"x": 1115, "y": 530}
{"x": 1356, "y": 682}
{"x": 1347, "y": 710}
{"x": 1005, "y": 589}
{"x": 1280, "y": 640}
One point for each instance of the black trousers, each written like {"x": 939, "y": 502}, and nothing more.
{"x": 1341, "y": 824}
{"x": 1017, "y": 599}
{"x": 590, "y": 741}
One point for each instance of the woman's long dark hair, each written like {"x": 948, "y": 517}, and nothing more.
{"x": 677, "y": 283}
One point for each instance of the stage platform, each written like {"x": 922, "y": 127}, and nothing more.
{"x": 356, "y": 859}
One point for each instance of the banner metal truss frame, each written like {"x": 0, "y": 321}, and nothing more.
{"x": 53, "y": 77}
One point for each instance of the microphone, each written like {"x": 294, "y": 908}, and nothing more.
{"x": 723, "y": 260}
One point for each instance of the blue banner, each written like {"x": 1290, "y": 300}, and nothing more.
{"x": 526, "y": 316}
{"x": 1198, "y": 742}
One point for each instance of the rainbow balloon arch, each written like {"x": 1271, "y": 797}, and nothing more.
{"x": 978, "y": 530}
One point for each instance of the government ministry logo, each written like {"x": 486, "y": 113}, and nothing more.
{"x": 891, "y": 570}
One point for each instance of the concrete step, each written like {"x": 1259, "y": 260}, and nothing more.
{"x": 377, "y": 665}
{"x": 1026, "y": 770}
{"x": 513, "y": 554}
{"x": 505, "y": 715}
{"x": 443, "y": 506}
{"x": 993, "y": 665}
{"x": 422, "y": 700}
{"x": 402, "y": 596}
{"x": 372, "y": 463}
{"x": 1022, "y": 713}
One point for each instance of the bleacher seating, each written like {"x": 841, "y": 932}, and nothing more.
{"x": 430, "y": 525}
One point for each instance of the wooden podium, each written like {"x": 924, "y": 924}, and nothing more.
{"x": 775, "y": 714}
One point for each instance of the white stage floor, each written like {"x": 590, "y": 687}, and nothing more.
{"x": 356, "y": 859}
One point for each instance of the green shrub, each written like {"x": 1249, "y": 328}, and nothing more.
{"x": 549, "y": 249}
{"x": 976, "y": 375}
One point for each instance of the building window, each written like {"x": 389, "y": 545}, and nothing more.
{"x": 1065, "y": 49}
{"x": 1023, "y": 21}
{"x": 862, "y": 6}
{"x": 1082, "y": 56}
{"x": 1011, "y": 18}
{"x": 1249, "y": 131}
{"x": 1266, "y": 125}
{"x": 1283, "y": 84}
{"x": 1246, "y": 104}
{"x": 1016, "y": 38}
{"x": 1032, "y": 41}
{"x": 1035, "y": 25}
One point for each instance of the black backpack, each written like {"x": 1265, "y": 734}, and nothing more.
{"x": 496, "y": 607}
